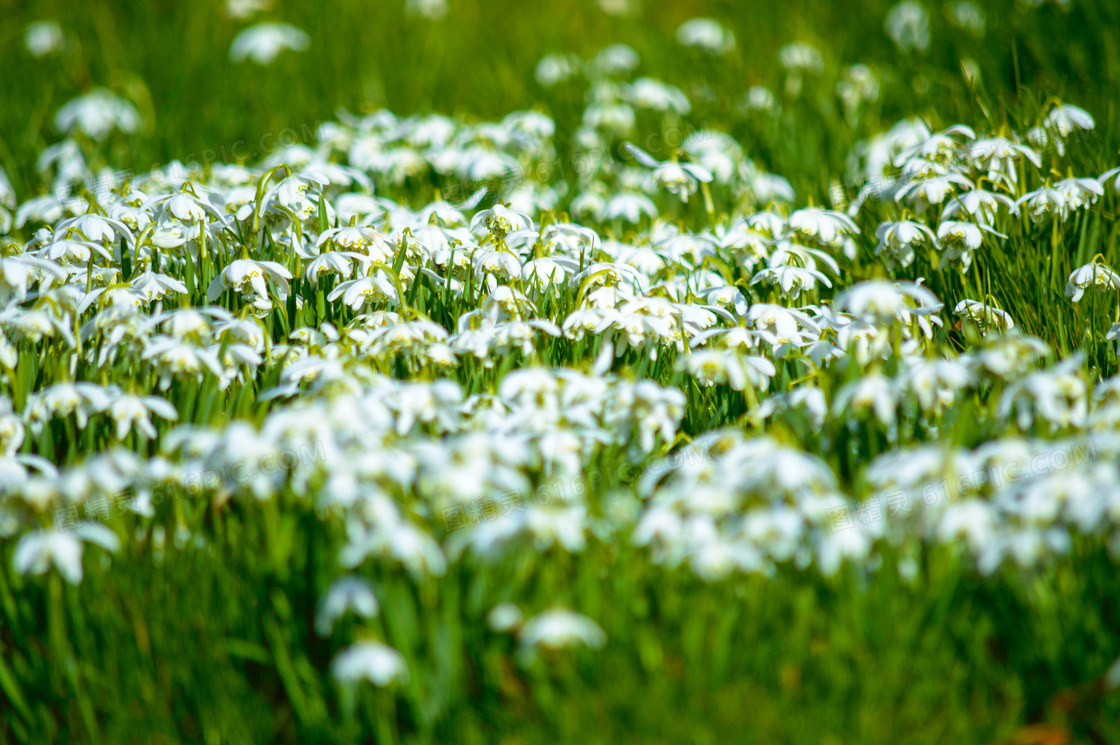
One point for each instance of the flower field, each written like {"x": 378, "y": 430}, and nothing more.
{"x": 592, "y": 371}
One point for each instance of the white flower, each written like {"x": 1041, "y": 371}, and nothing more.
{"x": 1097, "y": 276}
{"x": 758, "y": 98}
{"x": 363, "y": 240}
{"x": 790, "y": 279}
{"x": 908, "y": 26}
{"x": 1058, "y": 200}
{"x": 872, "y": 391}
{"x": 801, "y": 57}
{"x": 682, "y": 179}
{"x": 556, "y": 68}
{"x": 882, "y": 302}
{"x": 618, "y": 7}
{"x": 38, "y": 551}
{"x": 432, "y": 9}
{"x": 899, "y": 239}
{"x": 653, "y": 94}
{"x": 1067, "y": 119}
{"x": 828, "y": 226}
{"x": 241, "y": 9}
{"x": 968, "y": 16}
{"x": 369, "y": 660}
{"x": 263, "y": 42}
{"x": 999, "y": 154}
{"x": 706, "y": 34}
{"x": 616, "y": 59}
{"x": 349, "y": 593}
{"x": 249, "y": 277}
{"x": 504, "y": 617}
{"x": 96, "y": 114}
{"x": 17, "y": 273}
{"x": 1079, "y": 192}
{"x": 727, "y": 366}
{"x": 331, "y": 262}
{"x": 128, "y": 410}
{"x": 960, "y": 239}
{"x": 559, "y": 628}
{"x": 42, "y": 38}
{"x": 628, "y": 206}
{"x": 154, "y": 286}
{"x": 356, "y": 293}
{"x": 501, "y": 220}
{"x": 983, "y": 206}
{"x": 1057, "y": 395}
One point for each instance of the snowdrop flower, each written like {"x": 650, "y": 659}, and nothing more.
{"x": 360, "y": 240}
{"x": 42, "y": 38}
{"x": 18, "y": 273}
{"x": 63, "y": 399}
{"x": 96, "y": 114}
{"x": 376, "y": 287}
{"x": 501, "y": 220}
{"x": 960, "y": 239}
{"x": 983, "y": 206}
{"x": 908, "y": 26}
{"x": 653, "y": 94}
{"x": 96, "y": 228}
{"x": 369, "y": 660}
{"x": 758, "y": 98}
{"x": 251, "y": 278}
{"x": 899, "y": 239}
{"x": 1057, "y": 395}
{"x": 504, "y": 617}
{"x": 152, "y": 286}
{"x": 128, "y": 411}
{"x": 616, "y": 59}
{"x": 936, "y": 382}
{"x": 726, "y": 366}
{"x": 331, "y": 262}
{"x": 1079, "y": 192}
{"x": 873, "y": 391}
{"x": 1044, "y": 201}
{"x": 431, "y": 9}
{"x": 618, "y": 7}
{"x": 999, "y": 154}
{"x": 786, "y": 324}
{"x": 349, "y": 593}
{"x": 933, "y": 189}
{"x": 241, "y": 9}
{"x": 38, "y": 551}
{"x": 800, "y": 57}
{"x": 828, "y": 226}
{"x": 880, "y": 302}
{"x": 559, "y": 628}
{"x": 968, "y": 16}
{"x": 1066, "y": 119}
{"x": 263, "y": 42}
{"x": 791, "y": 280}
{"x": 859, "y": 84}
{"x": 556, "y": 68}
{"x": 628, "y": 206}
{"x": 1097, "y": 276}
{"x": 706, "y": 34}
{"x": 681, "y": 179}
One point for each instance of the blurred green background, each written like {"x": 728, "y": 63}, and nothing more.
{"x": 171, "y": 58}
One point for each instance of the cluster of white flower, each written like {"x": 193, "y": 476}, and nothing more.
{"x": 439, "y": 354}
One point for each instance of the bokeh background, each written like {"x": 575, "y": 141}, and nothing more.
{"x": 172, "y": 60}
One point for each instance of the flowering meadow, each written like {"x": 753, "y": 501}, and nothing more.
{"x": 594, "y": 371}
